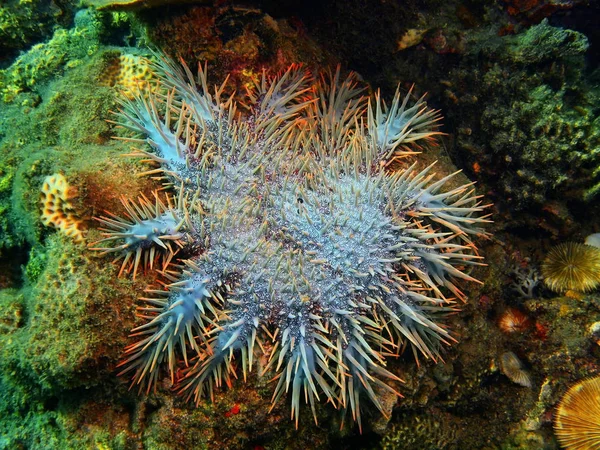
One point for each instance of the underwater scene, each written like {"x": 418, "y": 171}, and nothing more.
{"x": 278, "y": 224}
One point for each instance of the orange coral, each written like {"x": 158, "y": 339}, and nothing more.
{"x": 577, "y": 418}
{"x": 129, "y": 74}
{"x": 57, "y": 210}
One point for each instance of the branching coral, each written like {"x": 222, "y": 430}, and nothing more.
{"x": 304, "y": 247}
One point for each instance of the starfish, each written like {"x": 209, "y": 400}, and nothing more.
{"x": 289, "y": 235}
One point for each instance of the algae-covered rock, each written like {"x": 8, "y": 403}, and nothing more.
{"x": 72, "y": 336}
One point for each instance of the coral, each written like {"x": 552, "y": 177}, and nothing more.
{"x": 25, "y": 22}
{"x": 547, "y": 137}
{"x": 544, "y": 42}
{"x": 576, "y": 420}
{"x": 65, "y": 343}
{"x": 513, "y": 320}
{"x": 7, "y": 173}
{"x": 64, "y": 51}
{"x": 572, "y": 267}
{"x": 527, "y": 122}
{"x": 36, "y": 264}
{"x": 513, "y": 368}
{"x": 57, "y": 209}
{"x": 527, "y": 279}
{"x": 420, "y": 432}
{"x": 305, "y": 247}
{"x": 11, "y": 311}
{"x": 128, "y": 74}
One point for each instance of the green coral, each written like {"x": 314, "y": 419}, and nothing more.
{"x": 412, "y": 432}
{"x": 544, "y": 42}
{"x": 64, "y": 336}
{"x": 529, "y": 117}
{"x": 56, "y": 336}
{"x": 552, "y": 140}
{"x": 24, "y": 22}
{"x": 65, "y": 50}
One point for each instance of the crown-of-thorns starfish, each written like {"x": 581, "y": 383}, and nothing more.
{"x": 299, "y": 236}
{"x": 151, "y": 232}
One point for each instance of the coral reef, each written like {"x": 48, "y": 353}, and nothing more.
{"x": 63, "y": 338}
{"x": 61, "y": 352}
{"x": 23, "y": 23}
{"x": 7, "y": 173}
{"x": 413, "y": 432}
{"x": 530, "y": 126}
{"x": 544, "y": 42}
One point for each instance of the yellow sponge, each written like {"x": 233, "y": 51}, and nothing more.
{"x": 57, "y": 210}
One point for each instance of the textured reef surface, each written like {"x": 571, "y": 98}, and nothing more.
{"x": 186, "y": 264}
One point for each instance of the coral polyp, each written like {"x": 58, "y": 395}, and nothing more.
{"x": 572, "y": 266}
{"x": 300, "y": 238}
